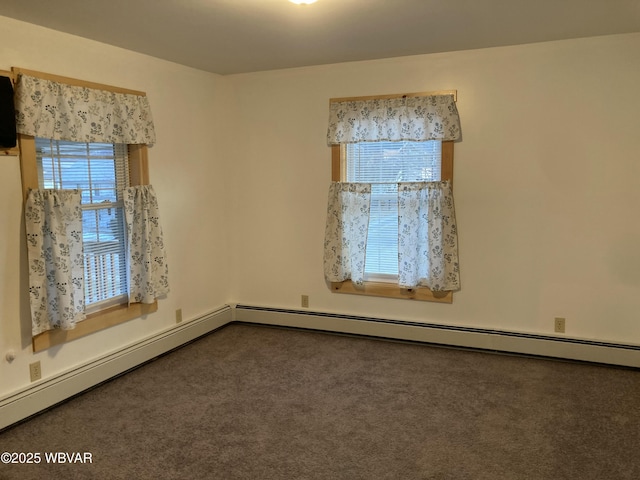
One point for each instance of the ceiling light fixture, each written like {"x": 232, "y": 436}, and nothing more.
{"x": 302, "y": 2}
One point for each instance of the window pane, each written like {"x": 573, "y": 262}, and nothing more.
{"x": 104, "y": 254}
{"x": 93, "y": 168}
{"x": 394, "y": 161}
{"x": 382, "y": 239}
{"x": 391, "y": 162}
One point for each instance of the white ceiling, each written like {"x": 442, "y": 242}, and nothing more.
{"x": 236, "y": 36}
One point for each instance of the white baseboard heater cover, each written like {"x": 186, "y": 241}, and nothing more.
{"x": 627, "y": 355}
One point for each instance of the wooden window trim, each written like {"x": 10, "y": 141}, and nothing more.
{"x": 74, "y": 81}
{"x": 138, "y": 175}
{"x": 93, "y": 323}
{"x": 390, "y": 290}
{"x": 453, "y": 93}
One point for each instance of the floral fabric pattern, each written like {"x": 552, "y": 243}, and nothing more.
{"x": 148, "y": 270}
{"x": 49, "y": 109}
{"x": 433, "y": 117}
{"x": 427, "y": 236}
{"x": 345, "y": 240}
{"x": 56, "y": 265}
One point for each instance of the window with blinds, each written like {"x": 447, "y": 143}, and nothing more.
{"x": 101, "y": 172}
{"x": 384, "y": 164}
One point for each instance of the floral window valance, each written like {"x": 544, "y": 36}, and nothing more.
{"x": 50, "y": 109}
{"x": 432, "y": 117}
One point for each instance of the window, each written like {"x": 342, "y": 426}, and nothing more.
{"x": 429, "y": 161}
{"x": 101, "y": 172}
{"x": 381, "y": 141}
{"x": 384, "y": 164}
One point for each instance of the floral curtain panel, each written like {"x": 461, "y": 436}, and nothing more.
{"x": 346, "y": 230}
{"x": 49, "y": 109}
{"x": 54, "y": 246}
{"x": 148, "y": 270}
{"x": 427, "y": 237}
{"x": 433, "y": 117}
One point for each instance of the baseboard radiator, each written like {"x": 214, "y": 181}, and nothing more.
{"x": 54, "y": 390}
{"x": 567, "y": 348}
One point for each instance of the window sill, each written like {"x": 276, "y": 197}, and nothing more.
{"x": 390, "y": 290}
{"x": 93, "y": 323}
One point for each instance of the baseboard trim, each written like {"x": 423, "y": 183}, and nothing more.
{"x": 567, "y": 348}
{"x": 51, "y": 391}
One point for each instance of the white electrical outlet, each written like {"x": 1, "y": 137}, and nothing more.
{"x": 305, "y": 301}
{"x": 178, "y": 315}
{"x": 559, "y": 325}
{"x": 35, "y": 371}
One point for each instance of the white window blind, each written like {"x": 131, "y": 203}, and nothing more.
{"x": 384, "y": 164}
{"x": 100, "y": 171}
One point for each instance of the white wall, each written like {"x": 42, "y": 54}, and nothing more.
{"x": 187, "y": 169}
{"x": 546, "y": 185}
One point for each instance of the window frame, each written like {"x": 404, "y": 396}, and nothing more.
{"x": 138, "y": 175}
{"x": 383, "y": 289}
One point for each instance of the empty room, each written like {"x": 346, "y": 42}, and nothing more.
{"x": 352, "y": 239}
